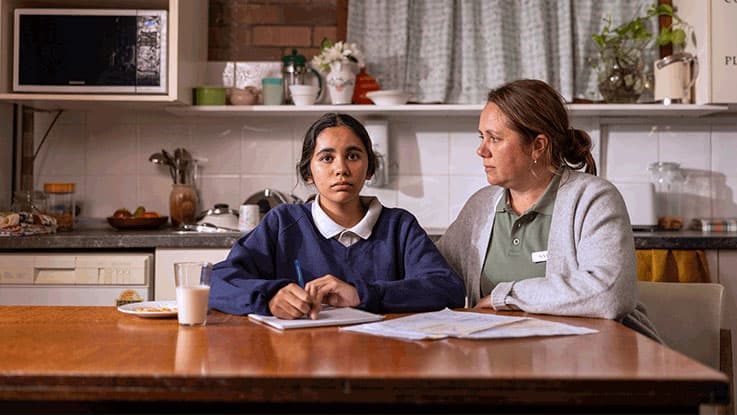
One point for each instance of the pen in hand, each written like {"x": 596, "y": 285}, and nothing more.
{"x": 301, "y": 281}
{"x": 300, "y": 278}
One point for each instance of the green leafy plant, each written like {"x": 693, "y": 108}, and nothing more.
{"x": 635, "y": 34}
{"x": 675, "y": 33}
{"x": 620, "y": 65}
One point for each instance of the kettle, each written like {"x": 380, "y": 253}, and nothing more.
{"x": 674, "y": 76}
{"x": 293, "y": 71}
{"x": 269, "y": 198}
{"x": 220, "y": 216}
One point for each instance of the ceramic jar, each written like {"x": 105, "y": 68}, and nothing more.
{"x": 341, "y": 82}
{"x": 183, "y": 204}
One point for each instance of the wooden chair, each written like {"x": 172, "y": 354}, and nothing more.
{"x": 688, "y": 318}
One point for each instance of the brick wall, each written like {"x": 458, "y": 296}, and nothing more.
{"x": 257, "y": 30}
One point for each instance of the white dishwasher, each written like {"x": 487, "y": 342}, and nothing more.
{"x": 87, "y": 279}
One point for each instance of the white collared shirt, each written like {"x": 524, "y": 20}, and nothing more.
{"x": 362, "y": 230}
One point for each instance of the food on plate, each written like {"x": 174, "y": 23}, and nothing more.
{"x": 122, "y": 213}
{"x": 155, "y": 309}
{"x": 150, "y": 214}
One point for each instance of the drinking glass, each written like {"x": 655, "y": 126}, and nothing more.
{"x": 192, "y": 280}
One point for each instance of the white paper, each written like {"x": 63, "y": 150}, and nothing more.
{"x": 328, "y": 317}
{"x": 468, "y": 325}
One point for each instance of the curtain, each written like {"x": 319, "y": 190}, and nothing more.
{"x": 454, "y": 51}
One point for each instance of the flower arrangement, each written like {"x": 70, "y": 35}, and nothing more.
{"x": 341, "y": 52}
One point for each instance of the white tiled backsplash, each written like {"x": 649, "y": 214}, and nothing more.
{"x": 434, "y": 163}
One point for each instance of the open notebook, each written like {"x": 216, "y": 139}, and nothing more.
{"x": 329, "y": 316}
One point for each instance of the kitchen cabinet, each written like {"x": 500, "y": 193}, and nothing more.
{"x": 712, "y": 22}
{"x": 186, "y": 59}
{"x": 164, "y": 269}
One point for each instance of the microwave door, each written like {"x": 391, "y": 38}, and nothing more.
{"x": 90, "y": 51}
{"x": 77, "y": 53}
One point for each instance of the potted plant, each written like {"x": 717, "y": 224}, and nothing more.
{"x": 620, "y": 67}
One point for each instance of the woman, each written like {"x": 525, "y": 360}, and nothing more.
{"x": 544, "y": 237}
{"x": 352, "y": 251}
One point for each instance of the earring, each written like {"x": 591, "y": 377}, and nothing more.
{"x": 534, "y": 161}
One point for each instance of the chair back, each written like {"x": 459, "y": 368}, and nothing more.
{"x": 687, "y": 316}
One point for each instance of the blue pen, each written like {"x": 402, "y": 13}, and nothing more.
{"x": 300, "y": 279}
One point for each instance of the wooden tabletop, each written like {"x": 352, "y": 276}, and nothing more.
{"x": 82, "y": 355}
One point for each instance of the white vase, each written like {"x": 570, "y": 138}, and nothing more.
{"x": 341, "y": 81}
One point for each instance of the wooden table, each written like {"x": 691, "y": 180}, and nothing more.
{"x": 77, "y": 359}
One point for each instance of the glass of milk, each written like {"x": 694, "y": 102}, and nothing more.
{"x": 192, "y": 280}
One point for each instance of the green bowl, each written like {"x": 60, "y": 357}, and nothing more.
{"x": 209, "y": 95}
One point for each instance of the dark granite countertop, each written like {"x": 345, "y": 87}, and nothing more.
{"x": 685, "y": 240}
{"x": 97, "y": 234}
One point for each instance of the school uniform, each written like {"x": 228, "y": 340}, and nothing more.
{"x": 387, "y": 256}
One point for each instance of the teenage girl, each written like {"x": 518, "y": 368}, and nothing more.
{"x": 352, "y": 251}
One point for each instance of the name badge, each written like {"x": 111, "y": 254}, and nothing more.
{"x": 540, "y": 256}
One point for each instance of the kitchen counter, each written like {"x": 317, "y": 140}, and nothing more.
{"x": 97, "y": 234}
{"x": 685, "y": 240}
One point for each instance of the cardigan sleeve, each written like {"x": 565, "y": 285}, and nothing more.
{"x": 591, "y": 269}
{"x": 245, "y": 281}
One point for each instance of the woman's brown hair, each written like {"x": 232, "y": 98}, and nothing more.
{"x": 534, "y": 107}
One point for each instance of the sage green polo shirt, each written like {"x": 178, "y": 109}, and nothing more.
{"x": 519, "y": 244}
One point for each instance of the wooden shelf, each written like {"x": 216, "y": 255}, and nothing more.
{"x": 576, "y": 110}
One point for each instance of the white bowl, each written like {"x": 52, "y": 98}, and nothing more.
{"x": 303, "y": 94}
{"x": 303, "y": 89}
{"x": 308, "y": 99}
{"x": 388, "y": 97}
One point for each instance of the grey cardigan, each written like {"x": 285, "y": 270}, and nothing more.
{"x": 591, "y": 268}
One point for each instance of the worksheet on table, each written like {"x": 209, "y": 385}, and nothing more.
{"x": 467, "y": 325}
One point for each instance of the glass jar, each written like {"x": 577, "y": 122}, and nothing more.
{"x": 60, "y": 206}
{"x": 668, "y": 180}
{"x": 31, "y": 201}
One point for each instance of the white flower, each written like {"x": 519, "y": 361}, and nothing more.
{"x": 337, "y": 52}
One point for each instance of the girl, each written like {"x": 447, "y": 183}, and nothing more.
{"x": 353, "y": 251}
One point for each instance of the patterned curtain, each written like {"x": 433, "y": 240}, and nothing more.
{"x": 454, "y": 51}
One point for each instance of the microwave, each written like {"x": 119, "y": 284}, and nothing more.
{"x": 90, "y": 51}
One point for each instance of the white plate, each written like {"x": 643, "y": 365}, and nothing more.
{"x": 135, "y": 308}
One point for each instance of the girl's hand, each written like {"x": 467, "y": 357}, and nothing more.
{"x": 332, "y": 291}
{"x": 291, "y": 302}
{"x": 484, "y": 302}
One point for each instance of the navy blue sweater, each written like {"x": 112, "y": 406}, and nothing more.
{"x": 398, "y": 269}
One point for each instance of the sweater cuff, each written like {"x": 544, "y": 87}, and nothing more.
{"x": 370, "y": 300}
{"x": 499, "y": 295}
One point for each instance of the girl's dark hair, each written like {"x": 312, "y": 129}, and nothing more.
{"x": 330, "y": 120}
{"x": 534, "y": 107}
